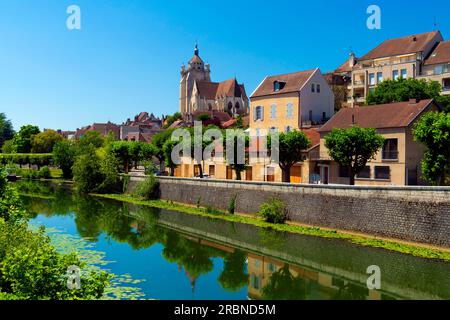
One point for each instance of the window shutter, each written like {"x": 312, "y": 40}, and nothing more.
{"x": 255, "y": 113}
{"x": 262, "y": 113}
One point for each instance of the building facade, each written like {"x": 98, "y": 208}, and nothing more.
{"x": 398, "y": 162}
{"x": 199, "y": 94}
{"x": 405, "y": 57}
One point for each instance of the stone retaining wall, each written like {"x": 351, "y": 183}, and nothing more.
{"x": 420, "y": 214}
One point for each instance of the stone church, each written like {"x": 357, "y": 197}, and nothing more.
{"x": 199, "y": 94}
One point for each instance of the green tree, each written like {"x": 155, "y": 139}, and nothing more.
{"x": 433, "y": 130}
{"x": 284, "y": 286}
{"x": 158, "y": 142}
{"x": 352, "y": 148}
{"x": 122, "y": 151}
{"x": 167, "y": 149}
{"x": 240, "y": 144}
{"x": 171, "y": 119}
{"x": 200, "y": 141}
{"x": 93, "y": 138}
{"x": 6, "y": 129}
{"x": 444, "y": 102}
{"x": 22, "y": 140}
{"x": 87, "y": 175}
{"x": 44, "y": 142}
{"x": 64, "y": 154}
{"x": 404, "y": 89}
{"x": 8, "y": 147}
{"x": 290, "y": 147}
{"x": 234, "y": 276}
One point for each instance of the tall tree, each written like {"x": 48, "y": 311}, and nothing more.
{"x": 290, "y": 147}
{"x": 433, "y": 130}
{"x": 167, "y": 149}
{"x": 22, "y": 140}
{"x": 6, "y": 129}
{"x": 352, "y": 148}
{"x": 236, "y": 152}
{"x": 64, "y": 153}
{"x": 158, "y": 142}
{"x": 44, "y": 142}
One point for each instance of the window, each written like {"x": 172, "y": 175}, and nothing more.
{"x": 379, "y": 77}
{"x": 310, "y": 115}
{"x": 372, "y": 79}
{"x": 343, "y": 172}
{"x": 395, "y": 74}
{"x": 237, "y": 106}
{"x": 324, "y": 116}
{"x": 273, "y": 111}
{"x": 276, "y": 86}
{"x": 255, "y": 282}
{"x": 438, "y": 69}
{"x": 258, "y": 132}
{"x": 390, "y": 149}
{"x": 209, "y": 107}
{"x": 230, "y": 106}
{"x": 288, "y": 129}
{"x": 383, "y": 172}
{"x": 404, "y": 73}
{"x": 364, "y": 173}
{"x": 318, "y": 88}
{"x": 259, "y": 115}
{"x": 289, "y": 111}
{"x": 313, "y": 87}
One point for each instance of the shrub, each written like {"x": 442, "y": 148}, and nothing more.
{"x": 273, "y": 211}
{"x": 147, "y": 189}
{"x": 87, "y": 174}
{"x": 44, "y": 173}
{"x": 232, "y": 205}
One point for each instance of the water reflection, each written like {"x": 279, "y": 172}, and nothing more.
{"x": 325, "y": 270}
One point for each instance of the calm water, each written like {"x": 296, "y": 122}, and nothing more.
{"x": 187, "y": 257}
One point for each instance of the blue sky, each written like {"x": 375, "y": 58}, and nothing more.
{"x": 127, "y": 56}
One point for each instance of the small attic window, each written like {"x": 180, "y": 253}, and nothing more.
{"x": 278, "y": 85}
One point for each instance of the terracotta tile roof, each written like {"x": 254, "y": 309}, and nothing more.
{"x": 207, "y": 90}
{"x": 229, "y": 123}
{"x": 293, "y": 82}
{"x": 393, "y": 115}
{"x": 215, "y": 90}
{"x": 345, "y": 67}
{"x": 313, "y": 135}
{"x": 439, "y": 55}
{"x": 403, "y": 45}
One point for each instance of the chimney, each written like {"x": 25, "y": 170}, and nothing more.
{"x": 413, "y": 101}
{"x": 352, "y": 60}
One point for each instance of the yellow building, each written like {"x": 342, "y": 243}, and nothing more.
{"x": 282, "y": 103}
{"x": 398, "y": 163}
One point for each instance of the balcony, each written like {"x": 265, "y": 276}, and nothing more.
{"x": 358, "y": 83}
{"x": 390, "y": 155}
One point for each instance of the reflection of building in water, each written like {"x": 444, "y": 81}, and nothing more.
{"x": 322, "y": 285}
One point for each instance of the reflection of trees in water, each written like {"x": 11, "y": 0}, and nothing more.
{"x": 350, "y": 291}
{"x": 284, "y": 286}
{"x": 234, "y": 276}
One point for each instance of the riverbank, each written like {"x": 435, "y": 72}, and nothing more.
{"x": 418, "y": 250}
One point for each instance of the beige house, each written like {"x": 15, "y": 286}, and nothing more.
{"x": 437, "y": 66}
{"x": 398, "y": 163}
{"x": 406, "y": 57}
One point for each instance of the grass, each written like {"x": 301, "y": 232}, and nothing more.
{"x": 415, "y": 250}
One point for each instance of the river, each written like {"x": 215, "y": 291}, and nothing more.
{"x": 172, "y": 255}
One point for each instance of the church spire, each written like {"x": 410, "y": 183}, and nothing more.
{"x": 196, "y": 49}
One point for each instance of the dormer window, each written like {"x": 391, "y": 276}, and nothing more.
{"x": 278, "y": 85}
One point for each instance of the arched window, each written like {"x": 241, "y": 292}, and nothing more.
{"x": 230, "y": 106}
{"x": 237, "y": 105}
{"x": 209, "y": 107}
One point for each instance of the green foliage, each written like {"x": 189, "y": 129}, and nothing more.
{"x": 171, "y": 119}
{"x": 8, "y": 147}
{"x": 158, "y": 142}
{"x": 11, "y": 209}
{"x": 402, "y": 90}
{"x": 353, "y": 147}
{"x": 290, "y": 147}
{"x": 284, "y": 286}
{"x": 64, "y": 154}
{"x": 27, "y": 158}
{"x": 238, "y": 140}
{"x": 273, "y": 211}
{"x": 44, "y": 142}
{"x": 167, "y": 150}
{"x": 87, "y": 174}
{"x": 234, "y": 276}
{"x": 232, "y": 204}
{"x": 6, "y": 129}
{"x": 110, "y": 175}
{"x": 22, "y": 140}
{"x": 31, "y": 269}
{"x": 147, "y": 189}
{"x": 91, "y": 138}
{"x": 203, "y": 117}
{"x": 444, "y": 102}
{"x": 433, "y": 130}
